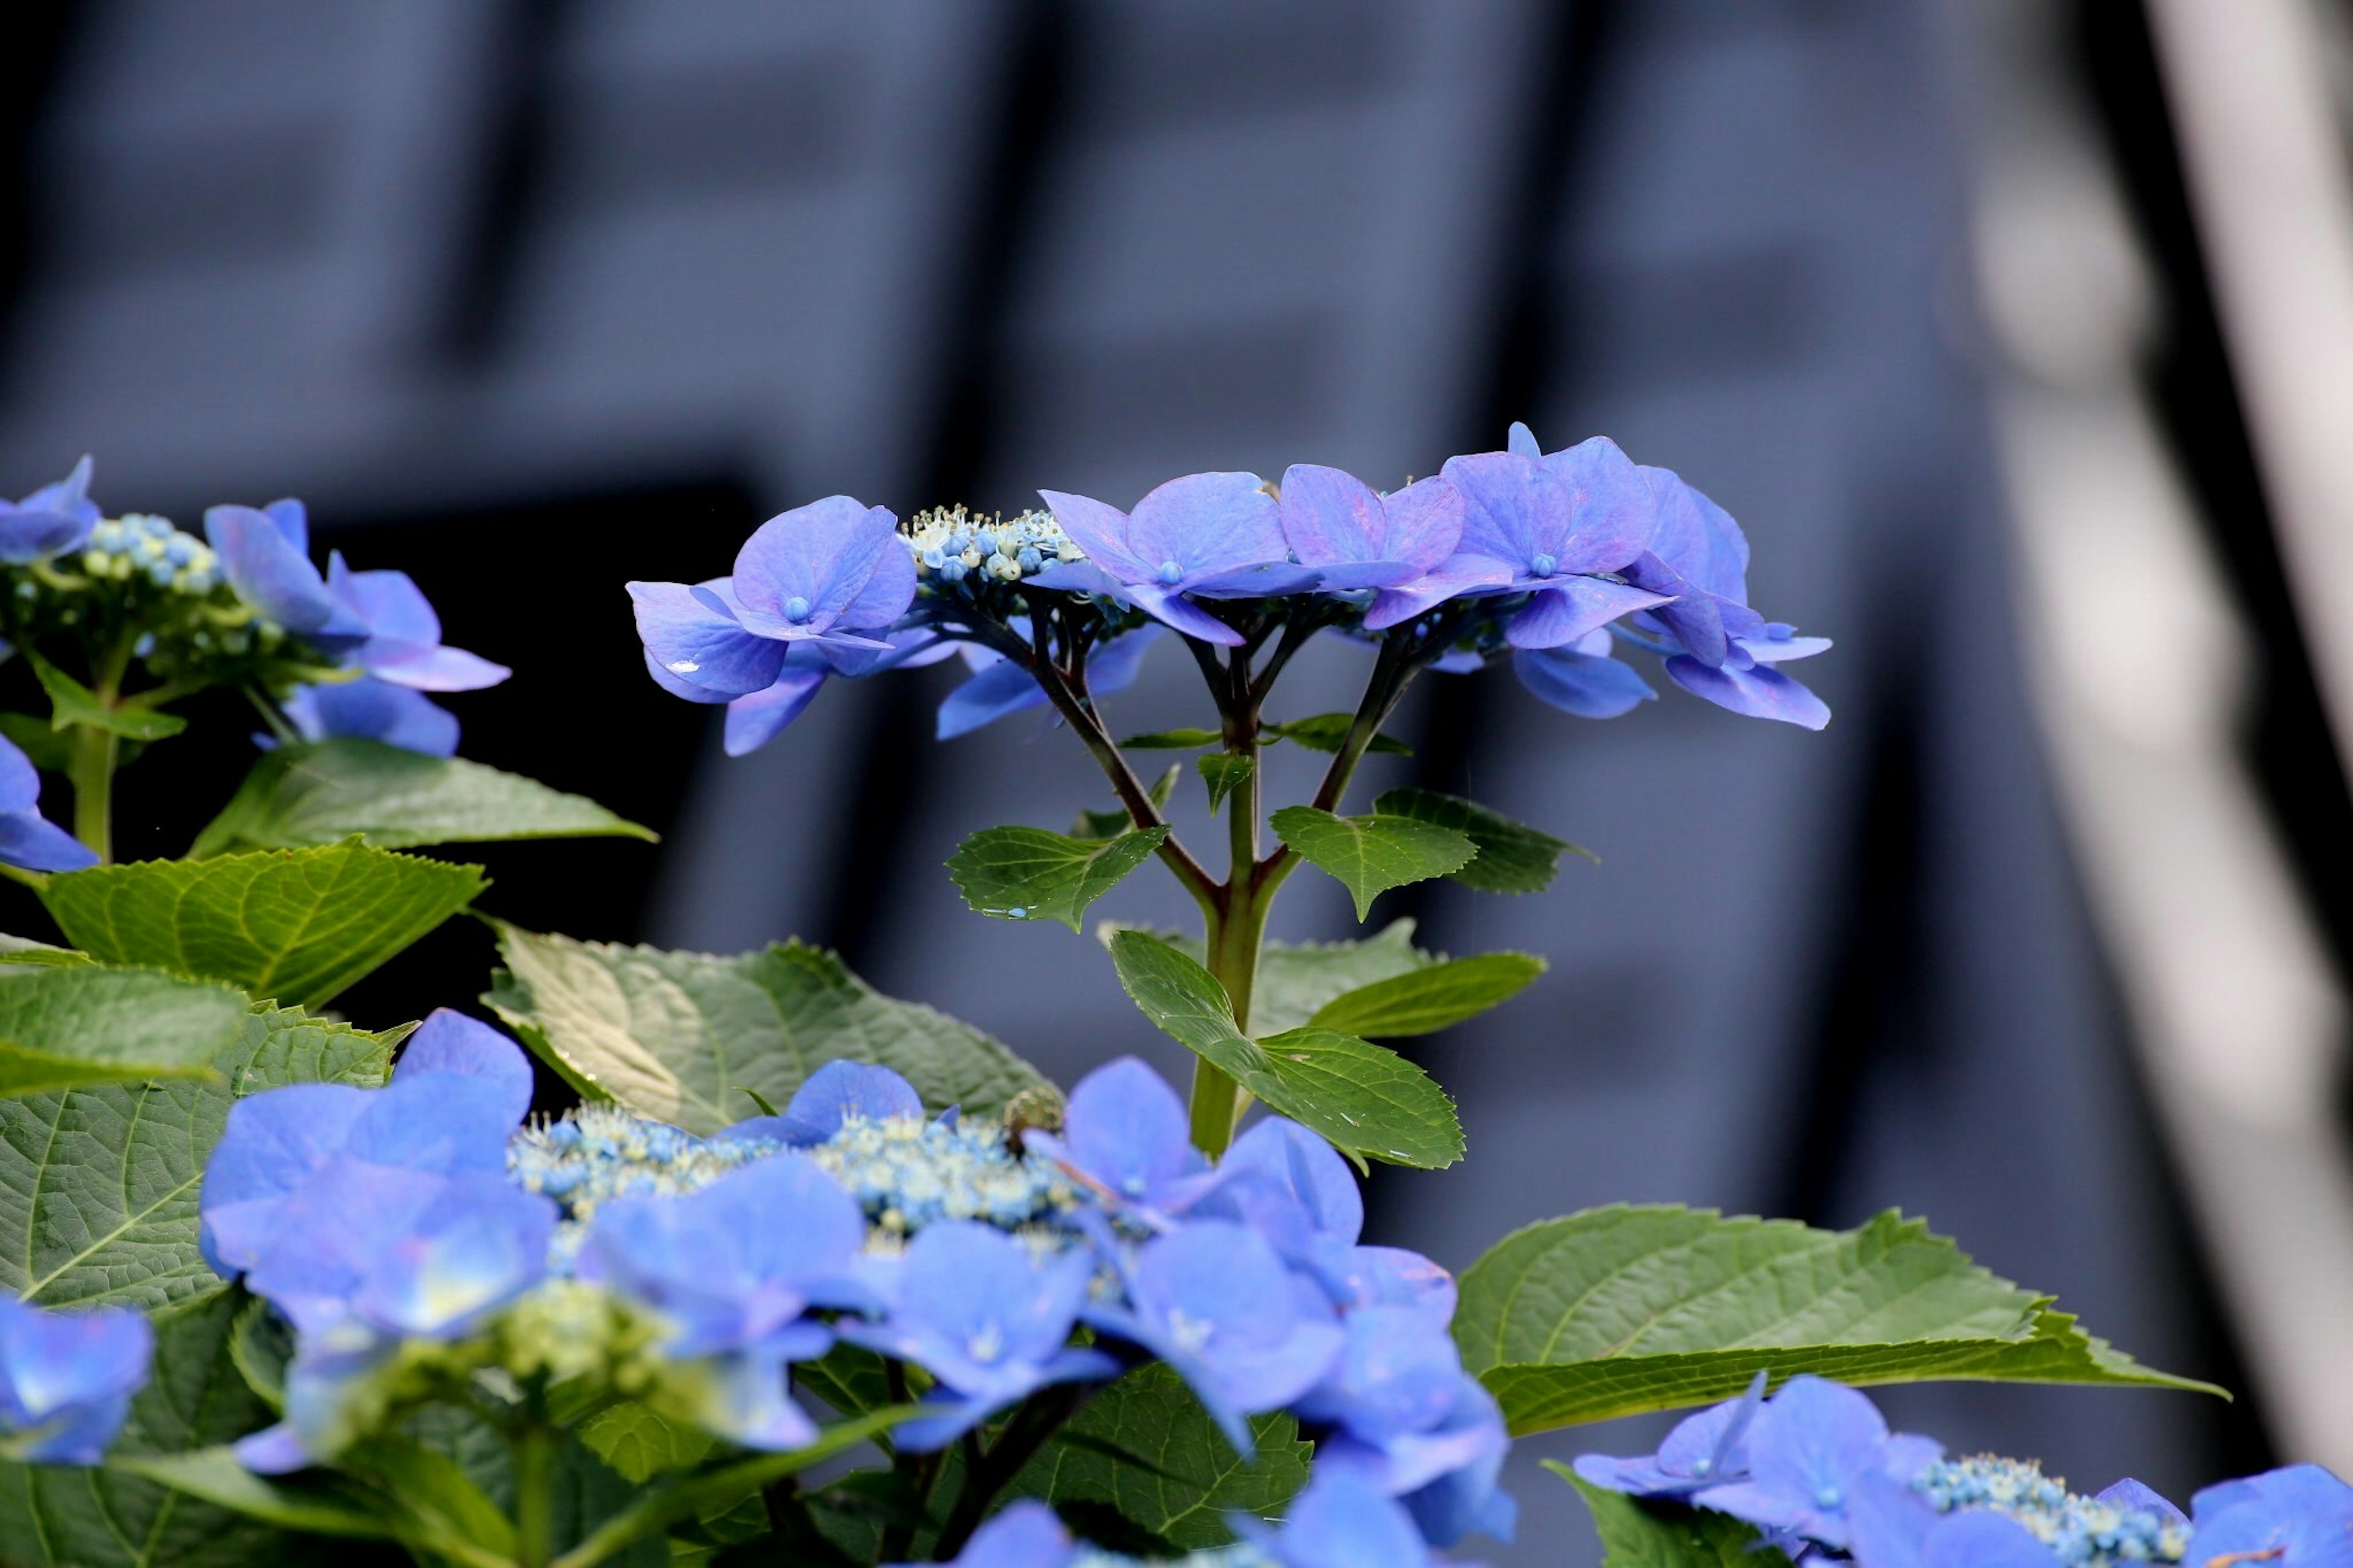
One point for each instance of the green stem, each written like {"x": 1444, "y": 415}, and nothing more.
{"x": 91, "y": 769}
{"x": 534, "y": 1471}
{"x": 1238, "y": 928}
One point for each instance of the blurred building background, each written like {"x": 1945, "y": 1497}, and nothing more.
{"x": 2015, "y": 331}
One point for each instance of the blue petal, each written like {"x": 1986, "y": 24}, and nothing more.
{"x": 1102, "y": 530}
{"x": 1514, "y": 508}
{"x": 1330, "y": 516}
{"x": 843, "y": 560}
{"x": 1026, "y": 1535}
{"x": 841, "y": 1090}
{"x": 701, "y": 645}
{"x": 1170, "y": 607}
{"x": 1126, "y": 1127}
{"x": 20, "y": 782}
{"x": 292, "y": 521}
{"x": 746, "y": 1404}
{"x": 1612, "y": 511}
{"x": 1592, "y": 686}
{"x": 69, "y": 1376}
{"x": 1310, "y": 1170}
{"x": 1575, "y": 610}
{"x": 1206, "y": 524}
{"x": 752, "y": 721}
{"x": 56, "y": 517}
{"x": 1523, "y": 441}
{"x": 1343, "y": 1521}
{"x": 2135, "y": 1496}
{"x": 1697, "y": 538}
{"x": 369, "y": 710}
{"x": 269, "y": 573}
{"x": 1459, "y": 575}
{"x": 1763, "y": 693}
{"x": 482, "y": 1243}
{"x": 271, "y": 1145}
{"x": 32, "y": 842}
{"x": 2299, "y": 1515}
{"x": 999, "y": 691}
{"x": 273, "y": 1451}
{"x": 450, "y": 1042}
{"x": 445, "y": 1121}
{"x": 387, "y": 603}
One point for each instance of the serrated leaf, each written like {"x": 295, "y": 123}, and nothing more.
{"x": 74, "y": 703}
{"x": 1512, "y": 857}
{"x": 1171, "y": 740}
{"x": 1111, "y": 824}
{"x": 1371, "y": 855}
{"x": 1366, "y": 1100}
{"x": 112, "y": 1518}
{"x": 640, "y": 1445}
{"x": 1026, "y": 873}
{"x": 1617, "y": 1310}
{"x": 1432, "y": 997}
{"x": 296, "y": 925}
{"x": 675, "y": 1035}
{"x": 1186, "y": 1478}
{"x": 81, "y": 1026}
{"x": 1642, "y": 1535}
{"x": 1328, "y": 732}
{"x": 302, "y": 796}
{"x": 97, "y": 1187}
{"x": 1224, "y": 774}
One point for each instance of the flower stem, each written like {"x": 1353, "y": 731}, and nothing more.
{"x": 534, "y": 1471}
{"x": 91, "y": 769}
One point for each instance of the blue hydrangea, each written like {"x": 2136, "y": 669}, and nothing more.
{"x": 137, "y": 546}
{"x": 2300, "y": 1516}
{"x": 1211, "y": 535}
{"x": 953, "y": 547}
{"x": 28, "y": 840}
{"x": 367, "y": 708}
{"x": 52, "y": 518}
{"x": 2127, "y": 1523}
{"x": 67, "y": 1380}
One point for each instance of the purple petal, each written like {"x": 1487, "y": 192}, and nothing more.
{"x": 841, "y": 561}
{"x": 1592, "y": 686}
{"x": 752, "y": 721}
{"x": 1459, "y": 575}
{"x": 33, "y": 843}
{"x": 999, "y": 691}
{"x": 1763, "y": 693}
{"x": 271, "y": 1143}
{"x": 1578, "y": 608}
{"x": 1330, "y": 517}
{"x": 427, "y": 668}
{"x": 1026, "y": 1535}
{"x": 369, "y": 710}
{"x": 1170, "y": 607}
{"x": 2131, "y": 1494}
{"x": 1696, "y": 538}
{"x": 1206, "y": 524}
{"x": 1523, "y": 441}
{"x": 270, "y": 572}
{"x": 1611, "y": 509}
{"x": 1102, "y": 530}
{"x": 388, "y": 604}
{"x": 1782, "y": 650}
{"x": 450, "y": 1042}
{"x": 1514, "y": 508}
{"x": 1079, "y": 576}
{"x": 700, "y": 646}
{"x": 1425, "y": 523}
{"x": 292, "y": 521}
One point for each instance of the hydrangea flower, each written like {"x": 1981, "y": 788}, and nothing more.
{"x": 367, "y": 708}
{"x": 833, "y": 572}
{"x": 67, "y": 1378}
{"x": 758, "y": 717}
{"x": 999, "y": 688}
{"x": 731, "y": 1271}
{"x": 461, "y": 1088}
{"x": 265, "y": 553}
{"x": 952, "y": 545}
{"x": 1893, "y": 1529}
{"x": 1214, "y": 1302}
{"x": 975, "y": 1309}
{"x": 142, "y": 545}
{"x": 1126, "y": 1133}
{"x": 1358, "y": 539}
{"x": 840, "y": 1092}
{"x": 1808, "y": 1448}
{"x": 28, "y": 840}
{"x": 52, "y": 519}
{"x": 400, "y": 636}
{"x": 1025, "y": 1535}
{"x": 1582, "y": 679}
{"x": 1708, "y": 1449}
{"x": 1341, "y": 1520}
{"x": 2298, "y": 1517}
{"x": 1218, "y": 535}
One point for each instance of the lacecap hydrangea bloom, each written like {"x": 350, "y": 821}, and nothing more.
{"x": 1817, "y": 1470}
{"x": 1554, "y": 561}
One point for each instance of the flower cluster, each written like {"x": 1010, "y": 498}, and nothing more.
{"x": 1817, "y": 1470}
{"x": 1553, "y": 560}
{"x": 416, "y": 1235}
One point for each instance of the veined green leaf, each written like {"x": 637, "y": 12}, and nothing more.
{"x": 297, "y": 925}
{"x": 1026, "y": 873}
{"x": 1639, "y": 1535}
{"x": 109, "y": 1517}
{"x": 1623, "y": 1309}
{"x": 1368, "y": 1100}
{"x": 1425, "y": 1000}
{"x": 1512, "y": 857}
{"x": 1224, "y": 774}
{"x": 1295, "y": 980}
{"x": 75, "y": 703}
{"x": 1145, "y": 1447}
{"x": 675, "y": 1035}
{"x": 75, "y": 1027}
{"x": 304, "y": 796}
{"x": 97, "y": 1187}
{"x": 1328, "y": 732}
{"x": 1371, "y": 855}
{"x": 640, "y": 1444}
{"x": 1111, "y": 824}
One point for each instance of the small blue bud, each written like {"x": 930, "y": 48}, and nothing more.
{"x": 179, "y": 549}
{"x": 1171, "y": 574}
{"x": 935, "y": 558}
{"x": 160, "y": 572}
{"x": 797, "y": 608}
{"x": 1828, "y": 1496}
{"x": 1029, "y": 558}
{"x": 953, "y": 571}
{"x": 1543, "y": 565}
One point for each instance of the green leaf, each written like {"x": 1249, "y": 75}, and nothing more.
{"x": 1371, "y": 855}
{"x": 301, "y": 797}
{"x": 675, "y": 1035}
{"x": 74, "y": 703}
{"x": 1224, "y": 774}
{"x": 1171, "y": 740}
{"x": 1179, "y": 1478}
{"x": 18, "y": 950}
{"x": 1623, "y": 1309}
{"x": 261, "y": 1346}
{"x": 640, "y": 1444}
{"x": 1111, "y": 824}
{"x": 1296, "y": 980}
{"x": 214, "y": 1475}
{"x": 432, "y": 1488}
{"x": 1326, "y": 731}
{"x": 1642, "y": 1535}
{"x": 76, "y": 1027}
{"x": 112, "y": 1518}
{"x": 1433, "y": 997}
{"x": 97, "y": 1187}
{"x": 39, "y": 741}
{"x": 1512, "y": 857}
{"x": 1023, "y": 873}
{"x": 297, "y": 925}
{"x": 1368, "y": 1100}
